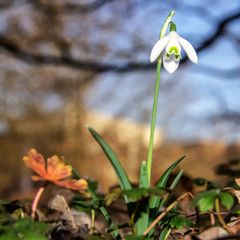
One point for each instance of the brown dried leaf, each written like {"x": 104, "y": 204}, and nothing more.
{"x": 212, "y": 233}
{"x": 234, "y": 225}
{"x": 237, "y": 180}
{"x": 60, "y": 204}
{"x": 234, "y": 191}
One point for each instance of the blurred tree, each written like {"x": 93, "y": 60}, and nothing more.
{"x": 59, "y": 57}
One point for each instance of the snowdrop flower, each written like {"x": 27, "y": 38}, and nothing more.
{"x": 172, "y": 43}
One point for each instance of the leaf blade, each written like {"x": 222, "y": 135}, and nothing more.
{"x": 102, "y": 209}
{"x": 154, "y": 201}
{"x": 120, "y": 172}
{"x": 226, "y": 200}
{"x": 142, "y": 220}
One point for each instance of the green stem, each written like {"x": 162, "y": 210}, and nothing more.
{"x": 154, "y": 118}
{"x": 115, "y": 233}
{"x": 220, "y": 218}
{"x": 155, "y": 100}
{"x": 107, "y": 217}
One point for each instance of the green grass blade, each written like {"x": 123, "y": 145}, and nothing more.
{"x": 121, "y": 174}
{"x": 172, "y": 186}
{"x": 176, "y": 180}
{"x": 142, "y": 221}
{"x": 154, "y": 201}
{"x": 165, "y": 233}
{"x": 165, "y": 176}
{"x": 143, "y": 178}
{"x": 102, "y": 209}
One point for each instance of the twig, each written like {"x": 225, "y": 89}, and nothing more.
{"x": 212, "y": 219}
{"x": 169, "y": 208}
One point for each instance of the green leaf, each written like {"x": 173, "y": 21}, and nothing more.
{"x": 176, "y": 180}
{"x": 165, "y": 176}
{"x": 161, "y": 201}
{"x": 154, "y": 202}
{"x": 165, "y": 233}
{"x": 142, "y": 217}
{"x": 135, "y": 237}
{"x": 25, "y": 229}
{"x": 112, "y": 196}
{"x": 87, "y": 204}
{"x": 236, "y": 210}
{"x": 121, "y": 174}
{"x": 226, "y": 199}
{"x": 206, "y": 200}
{"x": 143, "y": 177}
{"x": 136, "y": 194}
{"x": 172, "y": 186}
{"x": 206, "y": 204}
{"x": 95, "y": 236}
{"x": 103, "y": 210}
{"x": 179, "y": 221}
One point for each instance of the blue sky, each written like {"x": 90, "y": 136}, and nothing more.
{"x": 188, "y": 98}
{"x": 119, "y": 33}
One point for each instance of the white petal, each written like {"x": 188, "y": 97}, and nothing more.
{"x": 173, "y": 42}
{"x": 158, "y": 47}
{"x": 173, "y": 34}
{"x": 171, "y": 64}
{"x": 190, "y": 51}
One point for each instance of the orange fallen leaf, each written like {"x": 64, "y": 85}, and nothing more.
{"x": 53, "y": 170}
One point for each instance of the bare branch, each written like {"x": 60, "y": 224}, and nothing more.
{"x": 232, "y": 74}
{"x": 38, "y": 58}
{"x": 71, "y": 8}
{"x": 228, "y": 115}
{"x": 5, "y": 4}
{"x": 220, "y": 31}
{"x": 34, "y": 58}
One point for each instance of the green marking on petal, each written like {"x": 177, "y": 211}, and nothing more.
{"x": 177, "y": 57}
{"x": 167, "y": 56}
{"x": 173, "y": 50}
